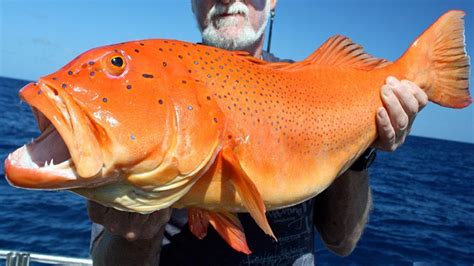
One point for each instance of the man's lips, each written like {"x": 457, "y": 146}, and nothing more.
{"x": 227, "y": 15}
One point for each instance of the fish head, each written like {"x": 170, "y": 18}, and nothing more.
{"x": 114, "y": 113}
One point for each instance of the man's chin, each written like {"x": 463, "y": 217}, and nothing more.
{"x": 231, "y": 33}
{"x": 232, "y": 38}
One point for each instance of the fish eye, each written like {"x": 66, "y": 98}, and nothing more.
{"x": 117, "y": 61}
{"x": 115, "y": 64}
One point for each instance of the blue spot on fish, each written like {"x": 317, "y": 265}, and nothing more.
{"x": 132, "y": 137}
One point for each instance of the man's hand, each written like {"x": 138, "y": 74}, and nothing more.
{"x": 130, "y": 238}
{"x": 131, "y": 226}
{"x": 402, "y": 101}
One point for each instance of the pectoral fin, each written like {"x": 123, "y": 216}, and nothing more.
{"x": 198, "y": 220}
{"x": 246, "y": 189}
{"x": 226, "y": 224}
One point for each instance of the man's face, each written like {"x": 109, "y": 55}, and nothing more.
{"x": 232, "y": 24}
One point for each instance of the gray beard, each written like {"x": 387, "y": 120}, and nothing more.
{"x": 245, "y": 40}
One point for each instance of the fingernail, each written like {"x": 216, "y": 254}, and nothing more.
{"x": 392, "y": 82}
{"x": 131, "y": 236}
{"x": 381, "y": 113}
{"x": 402, "y": 125}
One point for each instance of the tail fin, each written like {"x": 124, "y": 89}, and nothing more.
{"x": 438, "y": 63}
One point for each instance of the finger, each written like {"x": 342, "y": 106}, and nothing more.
{"x": 155, "y": 222}
{"x": 419, "y": 94}
{"x": 131, "y": 236}
{"x": 386, "y": 132}
{"x": 137, "y": 225}
{"x": 96, "y": 211}
{"x": 397, "y": 114}
{"x": 404, "y": 93}
{"x": 111, "y": 222}
{"x": 117, "y": 222}
{"x": 145, "y": 226}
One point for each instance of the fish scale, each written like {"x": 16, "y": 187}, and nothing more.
{"x": 304, "y": 126}
{"x": 248, "y": 97}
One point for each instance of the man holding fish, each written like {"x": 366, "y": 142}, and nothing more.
{"x": 339, "y": 213}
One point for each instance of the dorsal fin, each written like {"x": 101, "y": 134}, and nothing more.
{"x": 339, "y": 51}
{"x": 246, "y": 56}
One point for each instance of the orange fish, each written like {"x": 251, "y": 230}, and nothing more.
{"x": 145, "y": 125}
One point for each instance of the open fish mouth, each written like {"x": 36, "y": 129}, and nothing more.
{"x": 66, "y": 154}
{"x": 46, "y": 161}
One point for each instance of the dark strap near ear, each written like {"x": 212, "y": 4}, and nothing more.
{"x": 364, "y": 161}
{"x": 272, "y": 17}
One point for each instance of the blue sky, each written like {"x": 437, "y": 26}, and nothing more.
{"x": 39, "y": 36}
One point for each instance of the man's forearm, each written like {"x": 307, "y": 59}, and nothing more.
{"x": 114, "y": 250}
{"x": 342, "y": 210}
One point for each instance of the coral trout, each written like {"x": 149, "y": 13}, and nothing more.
{"x": 145, "y": 125}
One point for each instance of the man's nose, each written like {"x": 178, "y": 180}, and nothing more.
{"x": 226, "y": 2}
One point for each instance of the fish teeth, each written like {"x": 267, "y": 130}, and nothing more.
{"x": 49, "y": 164}
{"x": 64, "y": 165}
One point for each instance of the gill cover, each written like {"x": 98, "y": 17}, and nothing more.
{"x": 192, "y": 152}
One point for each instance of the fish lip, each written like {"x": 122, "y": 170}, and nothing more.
{"x": 29, "y": 175}
{"x": 52, "y": 108}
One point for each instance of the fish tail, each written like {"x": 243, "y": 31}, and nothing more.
{"x": 438, "y": 63}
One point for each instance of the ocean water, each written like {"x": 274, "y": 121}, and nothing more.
{"x": 423, "y": 198}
